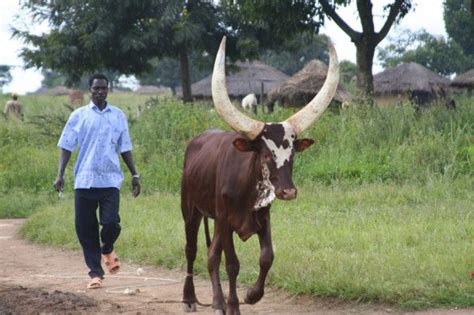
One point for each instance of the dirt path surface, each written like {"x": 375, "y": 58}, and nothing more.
{"x": 36, "y": 280}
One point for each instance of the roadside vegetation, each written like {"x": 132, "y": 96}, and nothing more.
{"x": 384, "y": 211}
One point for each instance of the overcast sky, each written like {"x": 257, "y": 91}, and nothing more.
{"x": 428, "y": 15}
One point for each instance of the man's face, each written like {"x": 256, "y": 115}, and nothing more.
{"x": 99, "y": 91}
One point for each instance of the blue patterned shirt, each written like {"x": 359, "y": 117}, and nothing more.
{"x": 100, "y": 137}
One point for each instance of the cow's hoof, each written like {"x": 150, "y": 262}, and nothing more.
{"x": 189, "y": 307}
{"x": 253, "y": 296}
{"x": 219, "y": 312}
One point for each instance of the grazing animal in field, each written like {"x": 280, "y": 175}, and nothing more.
{"x": 233, "y": 178}
{"x": 76, "y": 97}
{"x": 249, "y": 102}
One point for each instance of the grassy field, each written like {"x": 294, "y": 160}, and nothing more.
{"x": 384, "y": 214}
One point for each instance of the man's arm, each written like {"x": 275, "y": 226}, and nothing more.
{"x": 63, "y": 160}
{"x": 128, "y": 159}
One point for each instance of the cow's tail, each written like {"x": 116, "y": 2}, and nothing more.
{"x": 206, "y": 230}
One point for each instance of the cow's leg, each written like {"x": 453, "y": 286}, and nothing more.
{"x": 213, "y": 262}
{"x": 232, "y": 267}
{"x": 266, "y": 259}
{"x": 191, "y": 227}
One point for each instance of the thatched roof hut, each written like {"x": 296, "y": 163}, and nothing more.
{"x": 464, "y": 81}
{"x": 56, "y": 91}
{"x": 151, "y": 89}
{"x": 248, "y": 78}
{"x": 301, "y": 88}
{"x": 409, "y": 81}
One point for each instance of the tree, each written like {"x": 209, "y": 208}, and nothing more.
{"x": 52, "y": 79}
{"x": 348, "y": 71}
{"x": 92, "y": 35}
{"x": 293, "y": 54}
{"x": 460, "y": 23}
{"x": 164, "y": 71}
{"x": 367, "y": 40}
{"x": 436, "y": 53}
{"x": 269, "y": 24}
{"x": 5, "y": 75}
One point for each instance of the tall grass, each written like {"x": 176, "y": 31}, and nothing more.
{"x": 361, "y": 145}
{"x": 390, "y": 144}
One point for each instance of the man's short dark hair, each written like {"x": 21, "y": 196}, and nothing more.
{"x": 99, "y": 76}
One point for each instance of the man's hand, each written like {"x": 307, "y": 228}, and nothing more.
{"x": 136, "y": 188}
{"x": 59, "y": 184}
{"x": 63, "y": 160}
{"x": 128, "y": 159}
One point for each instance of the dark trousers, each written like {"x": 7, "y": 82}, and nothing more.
{"x": 86, "y": 202}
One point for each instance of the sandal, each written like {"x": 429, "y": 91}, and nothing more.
{"x": 95, "y": 283}
{"x": 111, "y": 262}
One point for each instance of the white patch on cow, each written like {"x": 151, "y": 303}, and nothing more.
{"x": 280, "y": 154}
{"x": 265, "y": 190}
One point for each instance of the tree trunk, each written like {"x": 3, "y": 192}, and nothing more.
{"x": 368, "y": 39}
{"x": 365, "y": 57}
{"x": 185, "y": 77}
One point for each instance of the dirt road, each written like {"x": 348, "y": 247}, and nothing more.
{"x": 36, "y": 279}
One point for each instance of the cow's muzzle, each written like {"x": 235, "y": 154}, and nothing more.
{"x": 286, "y": 194}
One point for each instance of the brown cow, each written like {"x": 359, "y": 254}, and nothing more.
{"x": 233, "y": 178}
{"x": 76, "y": 97}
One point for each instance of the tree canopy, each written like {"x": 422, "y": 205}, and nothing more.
{"x": 367, "y": 40}
{"x": 460, "y": 23}
{"x": 93, "y": 35}
{"x": 444, "y": 56}
{"x": 132, "y": 37}
{"x": 5, "y": 75}
{"x": 164, "y": 71}
{"x": 293, "y": 54}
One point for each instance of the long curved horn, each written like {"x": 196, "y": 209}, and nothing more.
{"x": 246, "y": 126}
{"x": 314, "y": 109}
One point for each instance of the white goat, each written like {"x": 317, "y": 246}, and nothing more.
{"x": 249, "y": 102}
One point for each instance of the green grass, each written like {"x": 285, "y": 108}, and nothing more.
{"x": 20, "y": 204}
{"x": 407, "y": 245}
{"x": 395, "y": 244}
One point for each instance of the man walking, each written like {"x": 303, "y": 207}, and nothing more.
{"x": 100, "y": 132}
{"x": 13, "y": 108}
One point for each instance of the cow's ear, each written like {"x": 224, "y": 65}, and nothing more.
{"x": 302, "y": 144}
{"x": 243, "y": 145}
